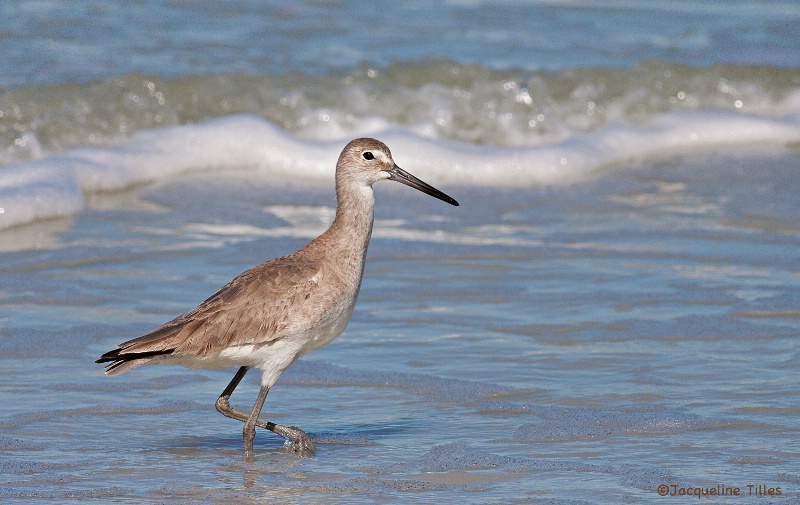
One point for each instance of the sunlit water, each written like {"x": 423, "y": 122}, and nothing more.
{"x": 581, "y": 343}
{"x": 614, "y": 306}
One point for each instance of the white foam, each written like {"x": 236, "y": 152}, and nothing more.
{"x": 37, "y": 190}
{"x": 54, "y": 186}
{"x": 579, "y": 156}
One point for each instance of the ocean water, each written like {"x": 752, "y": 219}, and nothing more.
{"x": 614, "y": 307}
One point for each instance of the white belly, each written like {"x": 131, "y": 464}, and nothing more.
{"x": 274, "y": 357}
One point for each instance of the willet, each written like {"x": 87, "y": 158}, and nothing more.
{"x": 270, "y": 315}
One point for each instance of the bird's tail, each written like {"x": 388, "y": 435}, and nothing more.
{"x": 120, "y": 361}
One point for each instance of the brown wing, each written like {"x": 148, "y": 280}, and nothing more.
{"x": 255, "y": 307}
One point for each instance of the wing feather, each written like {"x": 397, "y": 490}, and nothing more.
{"x": 255, "y": 307}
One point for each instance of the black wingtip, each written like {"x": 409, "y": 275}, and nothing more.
{"x": 118, "y": 355}
{"x": 109, "y": 356}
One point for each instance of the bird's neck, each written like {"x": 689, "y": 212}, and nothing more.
{"x": 352, "y": 228}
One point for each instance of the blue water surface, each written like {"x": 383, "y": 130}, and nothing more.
{"x": 56, "y": 42}
{"x": 574, "y": 343}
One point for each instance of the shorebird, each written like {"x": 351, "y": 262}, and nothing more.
{"x": 270, "y": 315}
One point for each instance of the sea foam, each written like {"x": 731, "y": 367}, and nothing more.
{"x": 55, "y": 185}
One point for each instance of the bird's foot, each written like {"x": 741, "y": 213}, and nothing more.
{"x": 297, "y": 442}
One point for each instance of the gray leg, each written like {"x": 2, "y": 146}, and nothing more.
{"x": 223, "y": 405}
{"x": 300, "y": 443}
{"x": 249, "y": 430}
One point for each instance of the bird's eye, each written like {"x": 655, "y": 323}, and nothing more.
{"x": 368, "y": 155}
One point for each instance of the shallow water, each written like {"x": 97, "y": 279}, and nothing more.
{"x": 578, "y": 344}
{"x": 614, "y": 307}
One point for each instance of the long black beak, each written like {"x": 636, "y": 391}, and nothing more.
{"x": 403, "y": 177}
